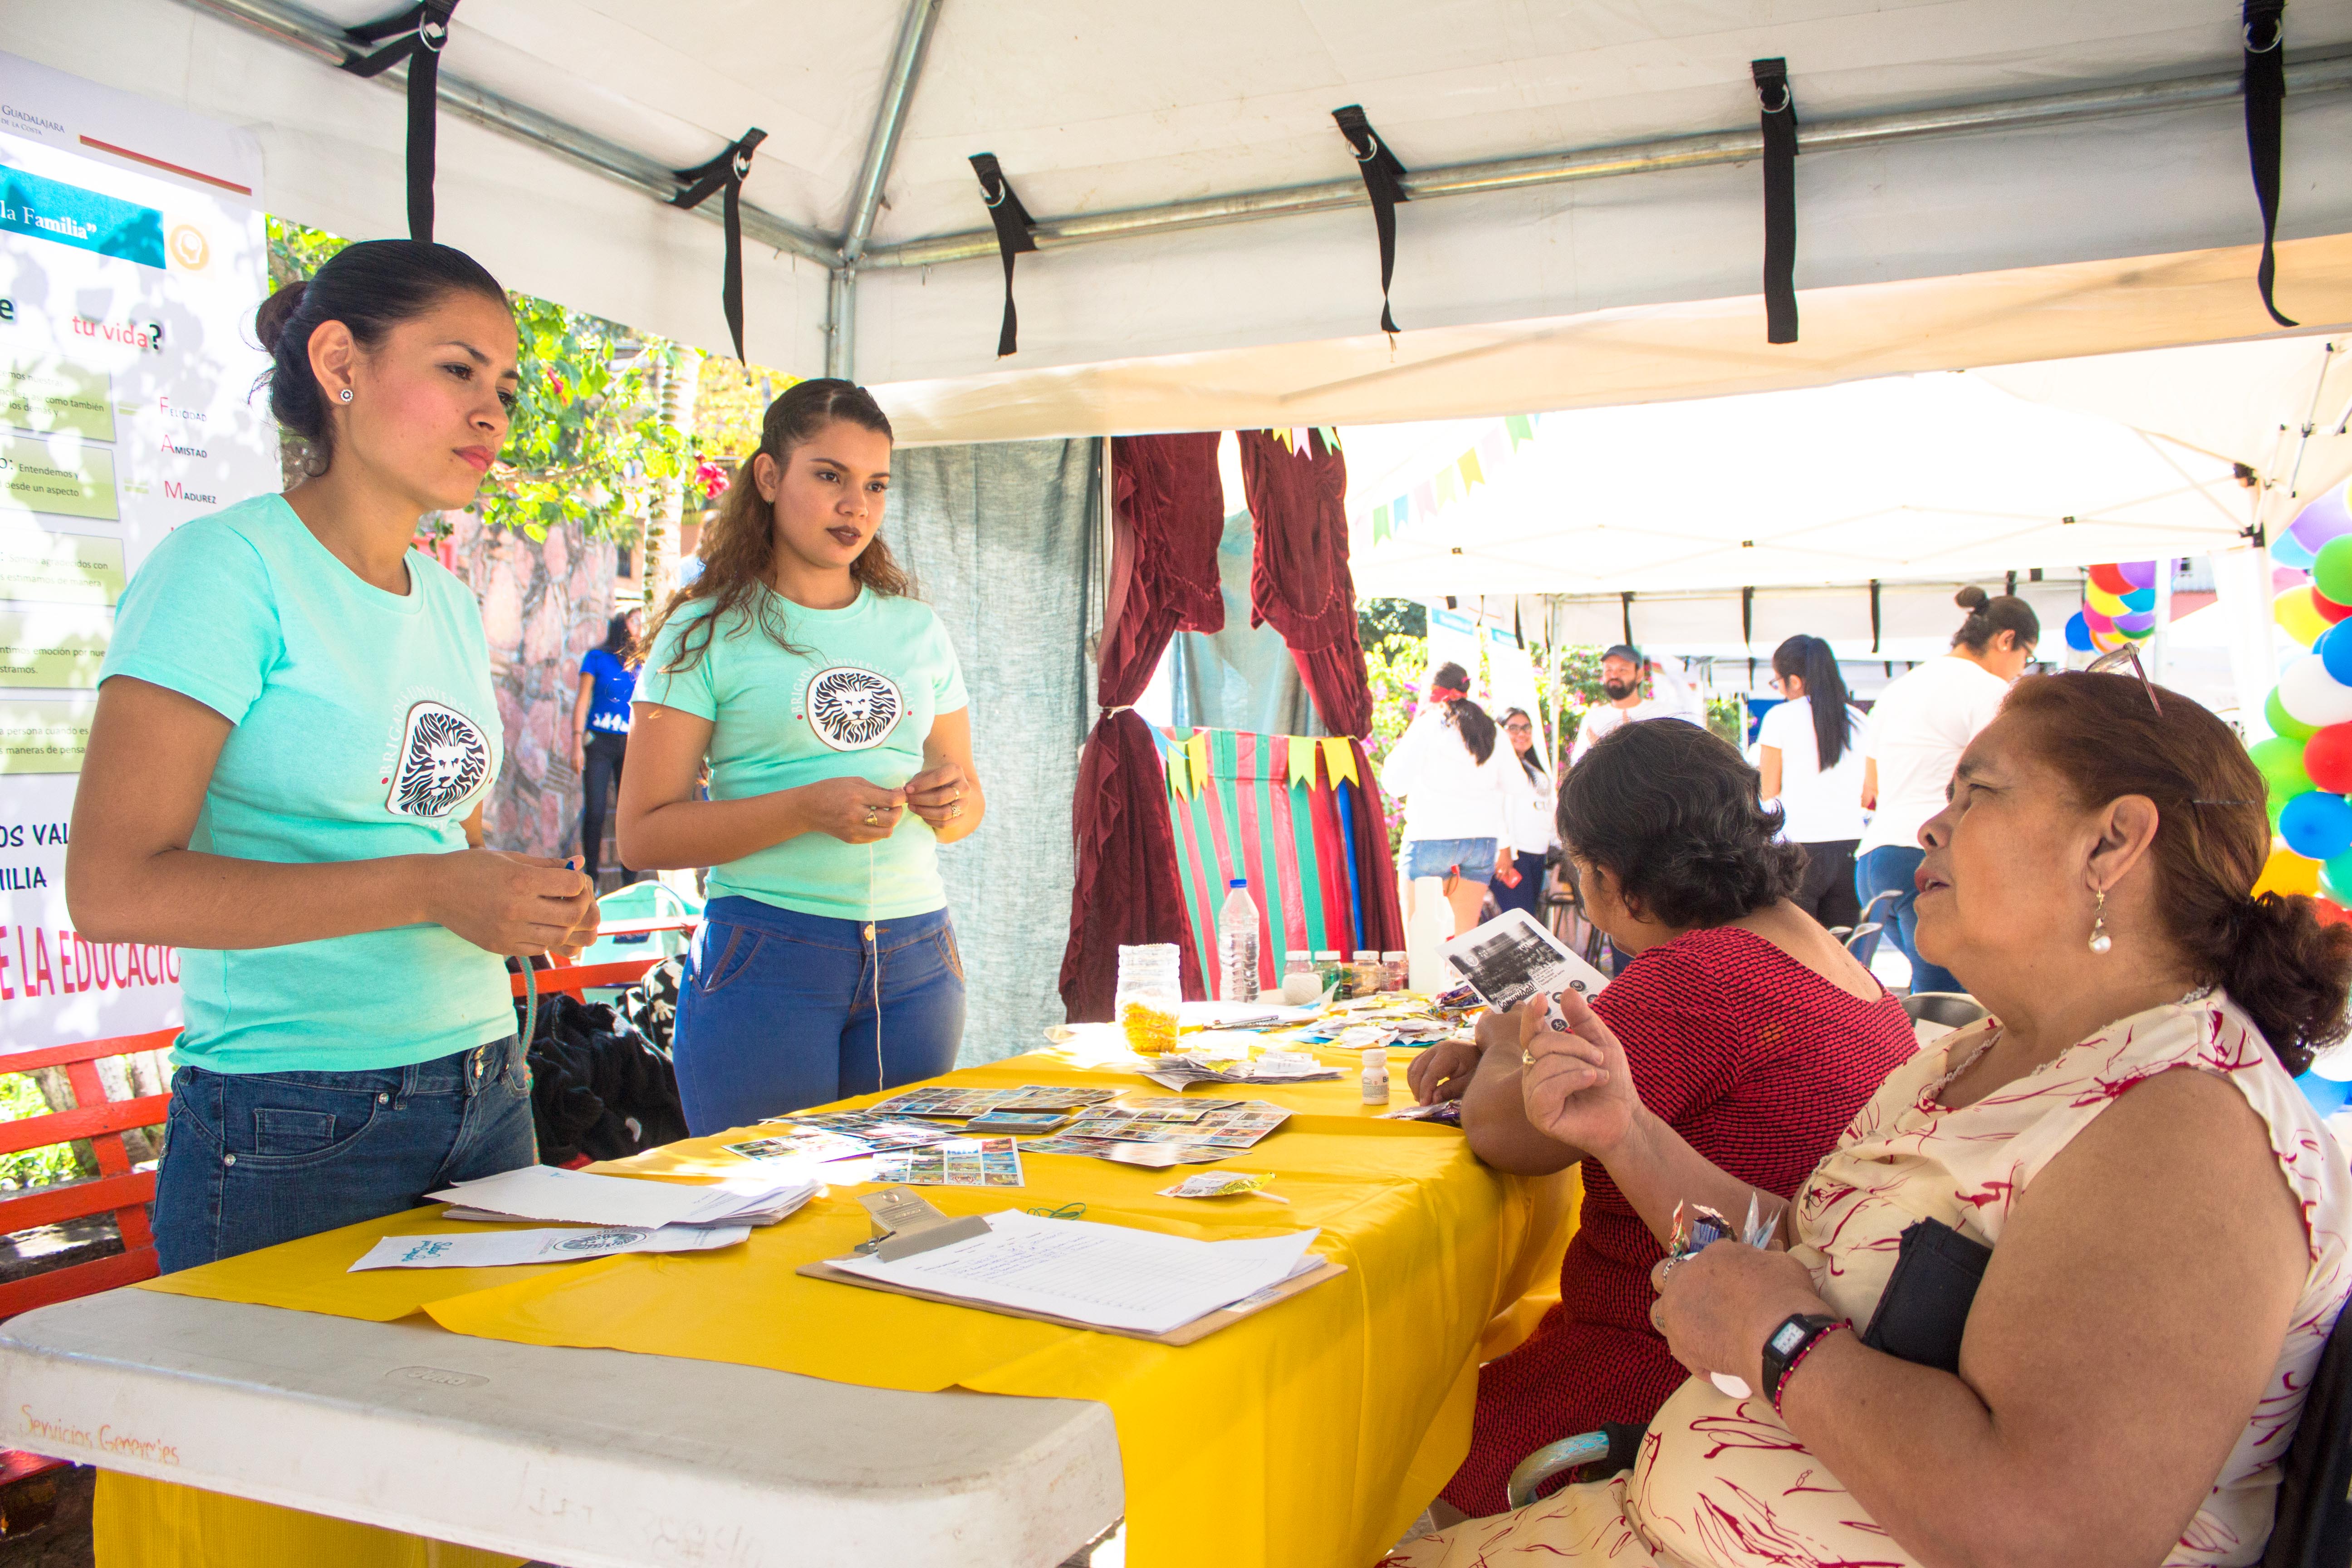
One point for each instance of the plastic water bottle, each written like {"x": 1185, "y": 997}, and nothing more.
{"x": 1237, "y": 944}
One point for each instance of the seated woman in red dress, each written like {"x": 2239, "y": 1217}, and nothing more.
{"x": 1751, "y": 1032}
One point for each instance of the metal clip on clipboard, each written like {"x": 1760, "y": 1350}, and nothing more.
{"x": 906, "y": 1224}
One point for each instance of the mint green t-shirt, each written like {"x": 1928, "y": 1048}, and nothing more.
{"x": 365, "y": 727}
{"x": 856, "y": 700}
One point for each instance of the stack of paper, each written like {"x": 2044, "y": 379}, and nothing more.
{"x": 545, "y": 1192}
{"x": 1107, "y": 1275}
{"x": 1274, "y": 1067}
{"x": 499, "y": 1249}
{"x": 879, "y": 1133}
{"x": 807, "y": 1145}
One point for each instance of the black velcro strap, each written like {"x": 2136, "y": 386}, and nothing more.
{"x": 417, "y": 35}
{"x": 1780, "y": 106}
{"x": 1384, "y": 183}
{"x": 2266, "y": 91}
{"x": 1013, "y": 225}
{"x": 725, "y": 172}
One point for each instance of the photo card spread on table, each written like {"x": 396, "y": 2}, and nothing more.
{"x": 956, "y": 1162}
{"x": 815, "y": 1145}
{"x": 959, "y": 1103}
{"x": 1511, "y": 960}
{"x": 1124, "y": 1153}
{"x": 881, "y": 1134}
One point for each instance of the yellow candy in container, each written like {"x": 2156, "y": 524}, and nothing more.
{"x": 1150, "y": 984}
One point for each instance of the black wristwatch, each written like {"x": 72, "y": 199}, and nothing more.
{"x": 1787, "y": 1344}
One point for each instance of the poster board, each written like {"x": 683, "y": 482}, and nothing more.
{"x": 133, "y": 254}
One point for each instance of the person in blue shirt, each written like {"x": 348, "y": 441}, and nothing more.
{"x": 295, "y": 733}
{"x": 600, "y": 733}
{"x": 832, "y": 708}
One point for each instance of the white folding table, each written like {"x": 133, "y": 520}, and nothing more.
{"x": 584, "y": 1458}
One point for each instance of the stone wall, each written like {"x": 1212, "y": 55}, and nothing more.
{"x": 543, "y": 606}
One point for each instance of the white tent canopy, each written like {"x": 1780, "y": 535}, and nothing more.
{"x": 1120, "y": 106}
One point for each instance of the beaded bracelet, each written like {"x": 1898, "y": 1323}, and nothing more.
{"x": 1792, "y": 1370}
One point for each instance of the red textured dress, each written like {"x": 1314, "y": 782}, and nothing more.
{"x": 1759, "y": 1064}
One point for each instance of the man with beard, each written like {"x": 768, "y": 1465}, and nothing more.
{"x": 1622, "y": 669}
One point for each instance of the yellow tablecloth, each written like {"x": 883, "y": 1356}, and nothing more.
{"x": 1309, "y": 1433}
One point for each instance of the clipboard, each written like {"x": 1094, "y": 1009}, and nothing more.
{"x": 1200, "y": 1328}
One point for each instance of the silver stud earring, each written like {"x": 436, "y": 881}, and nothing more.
{"x": 2100, "y": 941}
{"x": 345, "y": 394}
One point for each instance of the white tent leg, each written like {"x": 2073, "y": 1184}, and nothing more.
{"x": 2242, "y": 578}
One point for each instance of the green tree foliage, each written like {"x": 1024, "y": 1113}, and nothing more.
{"x": 587, "y": 444}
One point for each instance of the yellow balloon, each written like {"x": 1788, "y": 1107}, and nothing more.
{"x": 2288, "y": 873}
{"x": 2106, "y": 603}
{"x": 2298, "y": 616}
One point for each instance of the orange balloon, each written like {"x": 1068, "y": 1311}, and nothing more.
{"x": 2288, "y": 873}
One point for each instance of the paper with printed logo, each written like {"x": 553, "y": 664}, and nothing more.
{"x": 502, "y": 1249}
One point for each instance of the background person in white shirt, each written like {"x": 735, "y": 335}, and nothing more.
{"x": 1458, "y": 784}
{"x": 1916, "y": 732}
{"x": 1622, "y": 669}
{"x": 1813, "y": 766}
{"x": 1532, "y": 832}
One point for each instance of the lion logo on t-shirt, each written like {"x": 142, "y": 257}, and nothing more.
{"x": 853, "y": 710}
{"x": 445, "y": 759}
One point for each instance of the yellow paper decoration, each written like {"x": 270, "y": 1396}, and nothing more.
{"x": 1180, "y": 774}
{"x": 1301, "y": 756}
{"x": 1339, "y": 759}
{"x": 1197, "y": 746}
{"x": 1449, "y": 485}
{"x": 1472, "y": 474}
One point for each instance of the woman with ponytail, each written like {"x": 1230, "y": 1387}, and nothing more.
{"x": 1812, "y": 768}
{"x": 1458, "y": 785}
{"x": 1756, "y": 1036}
{"x": 832, "y": 709}
{"x": 295, "y": 733}
{"x": 1915, "y": 734}
{"x": 2159, "y": 1217}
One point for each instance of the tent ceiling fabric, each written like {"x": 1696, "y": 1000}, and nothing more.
{"x": 1123, "y": 105}
{"x": 1936, "y": 475}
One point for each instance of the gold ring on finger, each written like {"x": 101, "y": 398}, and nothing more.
{"x": 1526, "y": 1058}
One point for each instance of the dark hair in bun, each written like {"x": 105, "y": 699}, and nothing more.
{"x": 370, "y": 288}
{"x": 1991, "y": 615}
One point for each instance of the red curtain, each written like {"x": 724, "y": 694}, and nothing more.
{"x": 1301, "y": 586}
{"x": 1299, "y": 582}
{"x": 1168, "y": 514}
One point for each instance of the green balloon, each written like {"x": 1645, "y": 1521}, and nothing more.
{"x": 2335, "y": 878}
{"x": 2332, "y": 572}
{"x": 2281, "y": 761}
{"x": 2284, "y": 722}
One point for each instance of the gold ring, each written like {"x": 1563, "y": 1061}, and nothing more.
{"x": 1526, "y": 1058}
{"x": 871, "y": 820}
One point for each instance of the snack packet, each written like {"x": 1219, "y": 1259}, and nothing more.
{"x": 1221, "y": 1185}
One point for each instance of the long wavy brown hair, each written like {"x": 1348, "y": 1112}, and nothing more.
{"x": 740, "y": 545}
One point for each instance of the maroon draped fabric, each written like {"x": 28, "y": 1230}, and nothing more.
{"x": 1301, "y": 586}
{"x": 1167, "y": 517}
{"x": 1299, "y": 582}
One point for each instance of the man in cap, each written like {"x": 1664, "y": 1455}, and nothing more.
{"x": 1622, "y": 669}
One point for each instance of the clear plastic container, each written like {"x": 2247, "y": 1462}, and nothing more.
{"x": 1301, "y": 983}
{"x": 1369, "y": 976}
{"x": 1237, "y": 923}
{"x": 1150, "y": 984}
{"x": 1334, "y": 972}
{"x": 1394, "y": 964}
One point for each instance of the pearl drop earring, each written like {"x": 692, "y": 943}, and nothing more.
{"x": 2100, "y": 941}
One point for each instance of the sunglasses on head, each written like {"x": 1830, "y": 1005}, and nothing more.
{"x": 2112, "y": 663}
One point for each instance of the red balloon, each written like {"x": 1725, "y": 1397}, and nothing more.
{"x": 2330, "y": 913}
{"x": 2111, "y": 578}
{"x": 2329, "y": 610}
{"x": 2327, "y": 758}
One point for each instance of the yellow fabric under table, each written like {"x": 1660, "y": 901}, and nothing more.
{"x": 1310, "y": 1434}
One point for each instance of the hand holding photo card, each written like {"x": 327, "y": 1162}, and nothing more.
{"x": 1511, "y": 960}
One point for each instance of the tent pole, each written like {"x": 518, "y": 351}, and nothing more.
{"x": 2305, "y": 76}
{"x": 308, "y": 33}
{"x": 865, "y": 196}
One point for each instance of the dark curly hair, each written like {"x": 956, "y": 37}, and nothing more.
{"x": 1669, "y": 810}
{"x": 2271, "y": 953}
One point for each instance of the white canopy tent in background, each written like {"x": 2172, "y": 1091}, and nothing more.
{"x": 2076, "y": 226}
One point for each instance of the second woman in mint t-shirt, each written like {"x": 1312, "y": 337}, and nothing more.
{"x": 830, "y": 706}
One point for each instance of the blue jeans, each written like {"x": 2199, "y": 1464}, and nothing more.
{"x": 254, "y": 1159}
{"x": 1530, "y": 888}
{"x": 777, "y": 1011}
{"x": 1892, "y": 867}
{"x": 1435, "y": 857}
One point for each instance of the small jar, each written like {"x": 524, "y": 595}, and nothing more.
{"x": 1393, "y": 963}
{"x": 1369, "y": 976}
{"x": 1150, "y": 987}
{"x": 1301, "y": 982}
{"x": 1331, "y": 972}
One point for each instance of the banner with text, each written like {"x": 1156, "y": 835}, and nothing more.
{"x": 133, "y": 255}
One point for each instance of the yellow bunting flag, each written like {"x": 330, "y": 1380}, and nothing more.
{"x": 1339, "y": 759}
{"x": 1199, "y": 748}
{"x": 1449, "y": 485}
{"x": 1472, "y": 474}
{"x": 1179, "y": 774}
{"x": 1301, "y": 753}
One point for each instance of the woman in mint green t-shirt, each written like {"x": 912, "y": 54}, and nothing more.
{"x": 832, "y": 711}
{"x": 295, "y": 732}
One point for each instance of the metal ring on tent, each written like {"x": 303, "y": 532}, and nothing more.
{"x": 1787, "y": 97}
{"x": 998, "y": 199}
{"x": 433, "y": 35}
{"x": 1366, "y": 157}
{"x": 2278, "y": 35}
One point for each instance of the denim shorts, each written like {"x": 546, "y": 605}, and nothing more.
{"x": 1475, "y": 858}
{"x": 254, "y": 1159}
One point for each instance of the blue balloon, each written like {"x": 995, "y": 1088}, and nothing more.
{"x": 2286, "y": 549}
{"x": 2335, "y": 652}
{"x": 2078, "y": 635}
{"x": 2139, "y": 600}
{"x": 2317, "y": 825}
